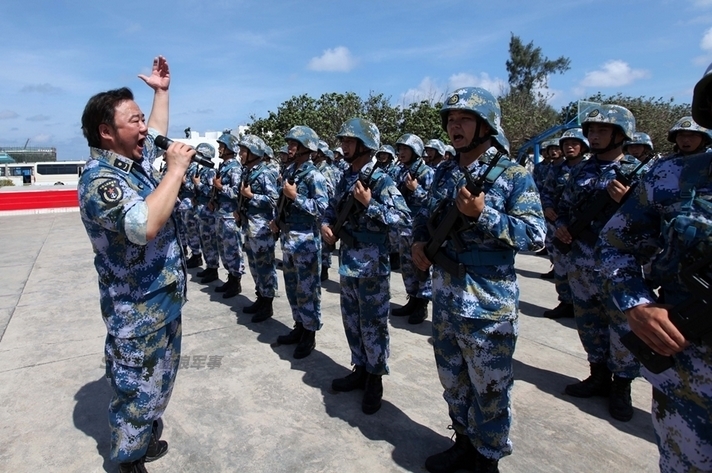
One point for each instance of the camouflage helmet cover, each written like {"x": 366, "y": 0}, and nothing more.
{"x": 501, "y": 142}
{"x": 206, "y": 150}
{"x": 476, "y": 100}
{"x": 230, "y": 141}
{"x": 388, "y": 149}
{"x": 437, "y": 145}
{"x": 640, "y": 138}
{"x": 450, "y": 149}
{"x": 413, "y": 142}
{"x": 619, "y": 117}
{"x": 304, "y": 135}
{"x": 284, "y": 150}
{"x": 364, "y": 130}
{"x": 338, "y": 150}
{"x": 269, "y": 152}
{"x": 324, "y": 147}
{"x": 687, "y": 124}
{"x": 254, "y": 144}
{"x": 702, "y": 100}
{"x": 574, "y": 134}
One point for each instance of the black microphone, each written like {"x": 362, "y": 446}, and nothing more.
{"x": 164, "y": 142}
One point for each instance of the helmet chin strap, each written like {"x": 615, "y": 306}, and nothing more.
{"x": 476, "y": 140}
{"x": 611, "y": 145}
{"x": 250, "y": 161}
{"x": 360, "y": 151}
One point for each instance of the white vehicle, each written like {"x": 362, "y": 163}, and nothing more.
{"x": 45, "y": 173}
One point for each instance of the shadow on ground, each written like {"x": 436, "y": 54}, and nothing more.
{"x": 91, "y": 416}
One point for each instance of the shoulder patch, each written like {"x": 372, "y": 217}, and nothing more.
{"x": 123, "y": 165}
{"x": 110, "y": 191}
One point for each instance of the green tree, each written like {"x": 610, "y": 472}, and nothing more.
{"x": 423, "y": 119}
{"x": 525, "y": 115}
{"x": 654, "y": 116}
{"x": 529, "y": 68}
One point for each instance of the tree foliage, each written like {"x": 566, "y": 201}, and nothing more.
{"x": 326, "y": 114}
{"x": 654, "y": 116}
{"x": 529, "y": 68}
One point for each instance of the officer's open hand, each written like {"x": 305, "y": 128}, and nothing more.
{"x": 651, "y": 322}
{"x": 562, "y": 233}
{"x": 362, "y": 194}
{"x": 327, "y": 234}
{"x": 411, "y": 183}
{"x": 246, "y": 191}
{"x": 160, "y": 78}
{"x": 417, "y": 251}
{"x": 290, "y": 190}
{"x": 616, "y": 190}
{"x": 470, "y": 205}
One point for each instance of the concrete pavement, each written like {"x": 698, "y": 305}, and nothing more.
{"x": 242, "y": 404}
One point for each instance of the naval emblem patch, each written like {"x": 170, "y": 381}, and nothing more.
{"x": 594, "y": 113}
{"x": 454, "y": 98}
{"x": 110, "y": 191}
{"x": 686, "y": 124}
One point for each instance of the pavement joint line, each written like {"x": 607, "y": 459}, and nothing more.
{"x": 216, "y": 329}
{"x": 531, "y": 340}
{"x": 62, "y": 342}
{"x": 51, "y": 362}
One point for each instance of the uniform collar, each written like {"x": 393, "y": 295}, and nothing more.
{"x": 121, "y": 163}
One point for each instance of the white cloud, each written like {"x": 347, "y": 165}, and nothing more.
{"x": 7, "y": 114}
{"x": 338, "y": 59}
{"x": 613, "y": 74}
{"x": 38, "y": 118}
{"x": 47, "y": 89}
{"x": 706, "y": 42}
{"x": 495, "y": 85}
{"x": 430, "y": 89}
{"x": 42, "y": 138}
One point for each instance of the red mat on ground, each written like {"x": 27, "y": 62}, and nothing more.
{"x": 31, "y": 200}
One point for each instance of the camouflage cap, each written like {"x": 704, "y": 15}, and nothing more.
{"x": 687, "y": 124}
{"x": 230, "y": 141}
{"x": 476, "y": 100}
{"x": 574, "y": 134}
{"x": 640, "y": 138}
{"x": 702, "y": 100}
{"x": 412, "y": 141}
{"x": 254, "y": 144}
{"x": 437, "y": 145}
{"x": 304, "y": 135}
{"x": 364, "y": 130}
{"x": 619, "y": 117}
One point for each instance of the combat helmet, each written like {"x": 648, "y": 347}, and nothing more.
{"x": 388, "y": 149}
{"x": 450, "y": 149}
{"x": 269, "y": 152}
{"x": 206, "y": 149}
{"x": 575, "y": 134}
{"x": 304, "y": 135}
{"x": 619, "y": 117}
{"x": 501, "y": 142}
{"x": 254, "y": 144}
{"x": 640, "y": 138}
{"x": 437, "y": 145}
{"x": 230, "y": 141}
{"x": 476, "y": 100}
{"x": 688, "y": 124}
{"x": 413, "y": 142}
{"x": 364, "y": 130}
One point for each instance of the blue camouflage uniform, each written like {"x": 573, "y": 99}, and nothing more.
{"x": 187, "y": 210}
{"x": 599, "y": 325}
{"x": 540, "y": 172}
{"x": 414, "y": 286}
{"x": 301, "y": 244}
{"x": 230, "y": 238}
{"x": 332, "y": 177}
{"x": 475, "y": 319}
{"x": 208, "y": 225}
{"x": 142, "y": 286}
{"x": 668, "y": 217}
{"x": 255, "y": 217}
{"x": 365, "y": 268}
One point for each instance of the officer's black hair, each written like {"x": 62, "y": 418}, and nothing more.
{"x": 99, "y": 110}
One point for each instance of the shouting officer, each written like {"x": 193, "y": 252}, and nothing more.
{"x": 475, "y": 311}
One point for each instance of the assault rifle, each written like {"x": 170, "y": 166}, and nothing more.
{"x": 691, "y": 317}
{"x": 282, "y": 206}
{"x": 447, "y": 228}
{"x": 349, "y": 207}
{"x": 241, "y": 199}
{"x": 402, "y": 188}
{"x": 597, "y": 203}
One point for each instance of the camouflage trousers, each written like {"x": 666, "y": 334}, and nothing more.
{"x": 230, "y": 245}
{"x": 141, "y": 372}
{"x": 414, "y": 287}
{"x": 599, "y": 323}
{"x": 561, "y": 275}
{"x": 262, "y": 264}
{"x": 303, "y": 287}
{"x": 326, "y": 251}
{"x": 209, "y": 236}
{"x": 365, "y": 305}
{"x": 474, "y": 361}
{"x": 191, "y": 223}
{"x": 682, "y": 411}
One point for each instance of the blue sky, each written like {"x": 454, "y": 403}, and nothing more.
{"x": 232, "y": 59}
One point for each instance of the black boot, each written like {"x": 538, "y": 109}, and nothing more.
{"x": 598, "y": 384}
{"x": 265, "y": 311}
{"x": 324, "y": 273}
{"x": 255, "y": 306}
{"x": 156, "y": 447}
{"x": 407, "y": 309}
{"x": 133, "y": 467}
{"x": 461, "y": 456}
{"x": 202, "y": 273}
{"x": 292, "y": 337}
{"x": 561, "y": 311}
{"x": 420, "y": 313}
{"x": 373, "y": 393}
{"x": 395, "y": 261}
{"x": 620, "y": 405}
{"x": 549, "y": 275}
{"x": 209, "y": 275}
{"x": 224, "y": 286}
{"x": 194, "y": 261}
{"x": 306, "y": 344}
{"x": 234, "y": 286}
{"x": 355, "y": 380}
